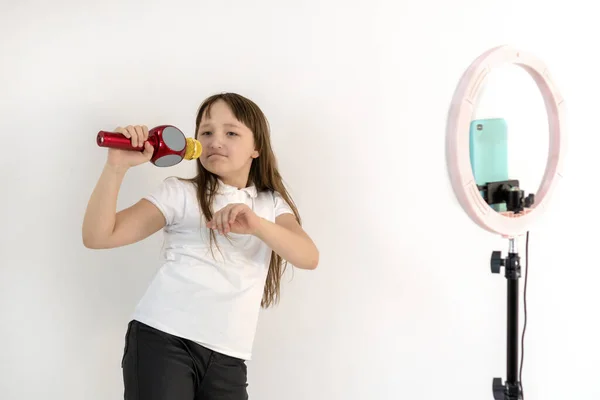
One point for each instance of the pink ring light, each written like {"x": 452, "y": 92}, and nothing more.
{"x": 457, "y": 142}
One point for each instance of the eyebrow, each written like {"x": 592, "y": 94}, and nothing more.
{"x": 206, "y": 125}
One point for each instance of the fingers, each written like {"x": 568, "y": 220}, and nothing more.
{"x": 148, "y": 150}
{"x": 140, "y": 134}
{"x": 234, "y": 214}
{"x": 223, "y": 220}
{"x": 123, "y": 131}
{"x": 137, "y": 133}
{"x": 131, "y": 134}
{"x": 215, "y": 223}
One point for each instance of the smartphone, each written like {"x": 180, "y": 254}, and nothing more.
{"x": 488, "y": 147}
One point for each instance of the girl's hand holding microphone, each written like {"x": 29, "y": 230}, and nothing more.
{"x": 124, "y": 159}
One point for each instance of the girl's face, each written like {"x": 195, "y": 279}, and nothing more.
{"x": 227, "y": 145}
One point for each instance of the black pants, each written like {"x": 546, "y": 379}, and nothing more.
{"x": 160, "y": 366}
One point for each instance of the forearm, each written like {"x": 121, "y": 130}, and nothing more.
{"x": 100, "y": 215}
{"x": 297, "y": 249}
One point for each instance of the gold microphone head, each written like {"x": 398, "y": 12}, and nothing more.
{"x": 193, "y": 149}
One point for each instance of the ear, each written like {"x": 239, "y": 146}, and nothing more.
{"x": 255, "y": 154}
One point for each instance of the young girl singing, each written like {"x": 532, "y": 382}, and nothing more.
{"x": 228, "y": 233}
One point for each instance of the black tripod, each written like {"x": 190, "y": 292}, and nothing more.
{"x": 511, "y": 389}
{"x": 509, "y": 193}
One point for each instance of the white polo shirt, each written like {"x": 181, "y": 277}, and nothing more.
{"x": 212, "y": 301}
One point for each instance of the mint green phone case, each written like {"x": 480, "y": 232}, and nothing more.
{"x": 488, "y": 147}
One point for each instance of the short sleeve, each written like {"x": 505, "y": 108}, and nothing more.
{"x": 168, "y": 197}
{"x": 281, "y": 206}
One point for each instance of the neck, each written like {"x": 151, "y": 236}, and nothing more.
{"x": 238, "y": 179}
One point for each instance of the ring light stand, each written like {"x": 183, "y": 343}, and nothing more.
{"x": 521, "y": 211}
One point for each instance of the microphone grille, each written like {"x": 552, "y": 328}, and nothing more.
{"x": 193, "y": 148}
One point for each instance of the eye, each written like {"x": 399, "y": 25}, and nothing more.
{"x": 205, "y": 133}
{"x": 232, "y": 133}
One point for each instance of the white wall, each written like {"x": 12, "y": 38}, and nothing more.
{"x": 402, "y": 305}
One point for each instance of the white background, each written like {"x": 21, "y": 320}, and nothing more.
{"x": 403, "y": 304}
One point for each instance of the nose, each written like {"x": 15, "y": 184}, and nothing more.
{"x": 215, "y": 142}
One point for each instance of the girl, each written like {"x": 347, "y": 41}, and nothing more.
{"x": 193, "y": 330}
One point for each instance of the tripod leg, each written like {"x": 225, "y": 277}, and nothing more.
{"x": 512, "y": 332}
{"x": 511, "y": 390}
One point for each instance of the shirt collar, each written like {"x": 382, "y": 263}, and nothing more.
{"x": 228, "y": 189}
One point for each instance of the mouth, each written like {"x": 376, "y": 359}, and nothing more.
{"x": 215, "y": 154}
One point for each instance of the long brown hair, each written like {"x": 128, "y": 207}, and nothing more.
{"x": 263, "y": 174}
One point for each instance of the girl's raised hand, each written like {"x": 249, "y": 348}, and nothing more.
{"x": 138, "y": 134}
{"x": 235, "y": 218}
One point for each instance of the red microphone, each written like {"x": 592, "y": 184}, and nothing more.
{"x": 169, "y": 143}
